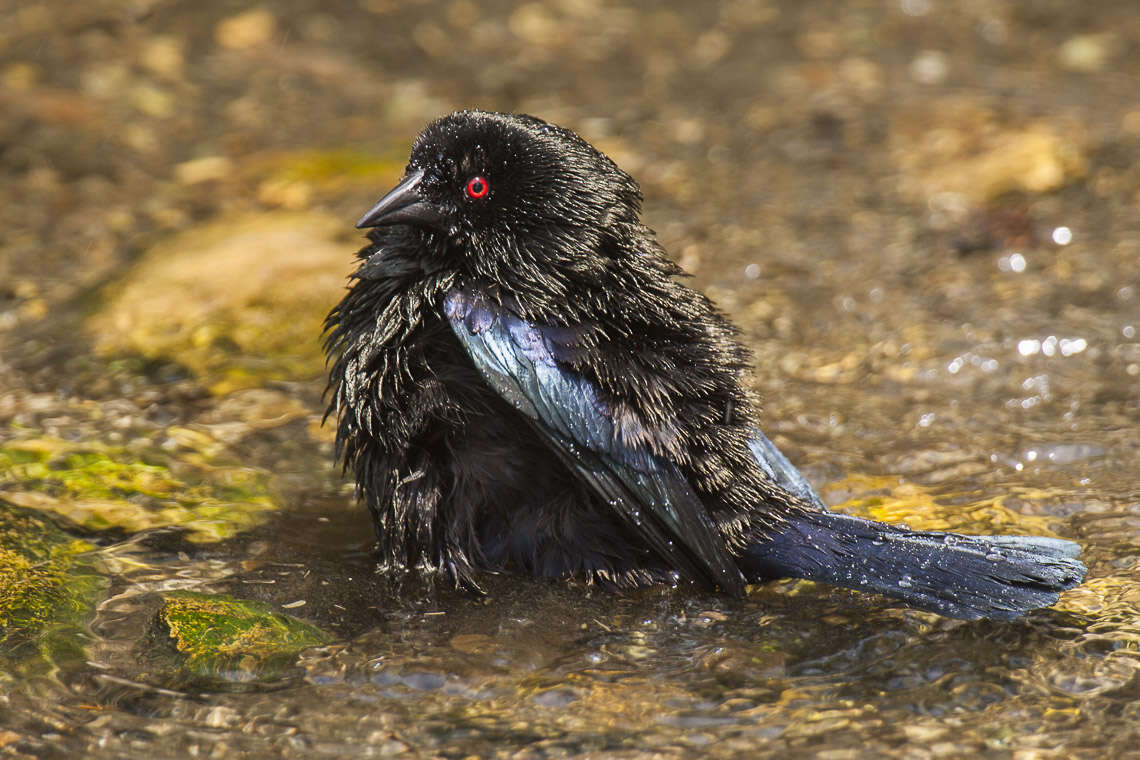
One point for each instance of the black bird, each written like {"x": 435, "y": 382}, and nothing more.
{"x": 521, "y": 382}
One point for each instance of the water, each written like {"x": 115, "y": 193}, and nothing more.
{"x": 874, "y": 193}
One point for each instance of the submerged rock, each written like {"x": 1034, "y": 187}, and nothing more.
{"x": 219, "y": 637}
{"x": 108, "y": 488}
{"x": 238, "y": 302}
{"x": 891, "y": 500}
{"x": 48, "y": 592}
{"x": 960, "y": 147}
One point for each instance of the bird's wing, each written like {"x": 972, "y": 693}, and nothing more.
{"x": 648, "y": 492}
{"x": 777, "y": 467}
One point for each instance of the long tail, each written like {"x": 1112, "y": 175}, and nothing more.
{"x": 967, "y": 577}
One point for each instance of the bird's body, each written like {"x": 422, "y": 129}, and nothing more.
{"x": 522, "y": 382}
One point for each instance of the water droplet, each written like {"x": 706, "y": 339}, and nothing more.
{"x": 1070, "y": 346}
{"x": 1014, "y": 262}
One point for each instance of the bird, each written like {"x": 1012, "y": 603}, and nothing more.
{"x": 522, "y": 382}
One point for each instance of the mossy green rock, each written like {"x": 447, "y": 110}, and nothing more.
{"x": 233, "y": 639}
{"x": 238, "y": 302}
{"x": 103, "y": 487}
{"x": 48, "y": 592}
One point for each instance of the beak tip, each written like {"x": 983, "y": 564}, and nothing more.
{"x": 402, "y": 205}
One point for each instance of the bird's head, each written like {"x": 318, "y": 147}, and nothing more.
{"x": 509, "y": 190}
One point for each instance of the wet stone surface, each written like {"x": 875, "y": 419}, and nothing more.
{"x": 220, "y": 639}
{"x": 48, "y": 592}
{"x": 925, "y": 217}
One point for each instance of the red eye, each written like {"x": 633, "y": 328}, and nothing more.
{"x": 477, "y": 187}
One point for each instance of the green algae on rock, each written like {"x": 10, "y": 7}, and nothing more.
{"x": 103, "y": 487}
{"x": 221, "y": 637}
{"x": 48, "y": 592}
{"x": 238, "y": 302}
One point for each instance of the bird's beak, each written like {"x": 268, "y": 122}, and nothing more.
{"x": 404, "y": 205}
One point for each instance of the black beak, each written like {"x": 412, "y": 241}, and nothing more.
{"x": 404, "y": 205}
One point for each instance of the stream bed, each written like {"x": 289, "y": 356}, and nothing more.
{"x": 924, "y": 216}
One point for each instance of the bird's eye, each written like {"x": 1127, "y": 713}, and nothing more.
{"x": 477, "y": 187}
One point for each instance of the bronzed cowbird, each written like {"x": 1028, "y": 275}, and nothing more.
{"x": 522, "y": 383}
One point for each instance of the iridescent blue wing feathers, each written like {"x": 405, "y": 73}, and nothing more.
{"x": 648, "y": 493}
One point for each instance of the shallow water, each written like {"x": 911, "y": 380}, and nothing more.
{"x": 923, "y": 217}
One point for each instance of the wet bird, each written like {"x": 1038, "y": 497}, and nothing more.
{"x": 522, "y": 383}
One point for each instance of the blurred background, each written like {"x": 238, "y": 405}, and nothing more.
{"x": 924, "y": 216}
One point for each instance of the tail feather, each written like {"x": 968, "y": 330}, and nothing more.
{"x": 966, "y": 577}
